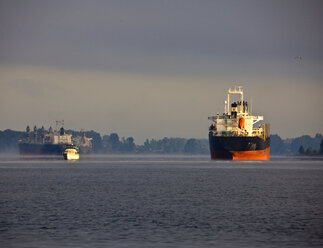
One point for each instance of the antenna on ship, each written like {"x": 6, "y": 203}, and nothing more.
{"x": 28, "y": 133}
{"x": 235, "y": 90}
{"x": 225, "y": 107}
{"x": 240, "y": 89}
{"x": 59, "y": 123}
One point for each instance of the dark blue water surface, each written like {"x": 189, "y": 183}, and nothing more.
{"x": 160, "y": 202}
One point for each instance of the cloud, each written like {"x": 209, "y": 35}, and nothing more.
{"x": 158, "y": 37}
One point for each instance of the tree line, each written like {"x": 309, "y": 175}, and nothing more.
{"x": 305, "y": 145}
{"x": 112, "y": 143}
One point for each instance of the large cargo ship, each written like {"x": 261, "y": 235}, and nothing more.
{"x": 51, "y": 142}
{"x": 232, "y": 136}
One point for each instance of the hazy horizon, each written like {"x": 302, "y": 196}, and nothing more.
{"x": 158, "y": 69}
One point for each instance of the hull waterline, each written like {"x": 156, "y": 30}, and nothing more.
{"x": 241, "y": 155}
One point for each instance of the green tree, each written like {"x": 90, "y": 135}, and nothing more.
{"x": 277, "y": 145}
{"x": 96, "y": 140}
{"x": 309, "y": 151}
{"x": 301, "y": 150}
{"x": 191, "y": 146}
{"x": 129, "y": 145}
{"x": 9, "y": 140}
{"x": 112, "y": 143}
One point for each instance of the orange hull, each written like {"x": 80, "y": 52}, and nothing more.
{"x": 251, "y": 155}
{"x": 241, "y": 155}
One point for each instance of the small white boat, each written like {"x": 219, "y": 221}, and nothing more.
{"x": 71, "y": 153}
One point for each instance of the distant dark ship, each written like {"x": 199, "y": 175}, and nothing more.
{"x": 51, "y": 142}
{"x": 232, "y": 135}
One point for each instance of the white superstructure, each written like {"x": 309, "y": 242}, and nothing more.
{"x": 83, "y": 143}
{"x": 237, "y": 120}
{"x": 58, "y": 137}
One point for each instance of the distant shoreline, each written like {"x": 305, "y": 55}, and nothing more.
{"x": 113, "y": 144}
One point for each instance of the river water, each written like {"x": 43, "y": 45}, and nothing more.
{"x": 160, "y": 201}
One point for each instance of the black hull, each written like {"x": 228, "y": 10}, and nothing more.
{"x": 41, "y": 149}
{"x": 239, "y": 148}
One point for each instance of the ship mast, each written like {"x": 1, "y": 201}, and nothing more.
{"x": 59, "y": 124}
{"x": 234, "y": 91}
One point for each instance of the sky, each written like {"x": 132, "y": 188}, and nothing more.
{"x": 154, "y": 69}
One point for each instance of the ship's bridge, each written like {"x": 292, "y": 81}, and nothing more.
{"x": 237, "y": 120}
